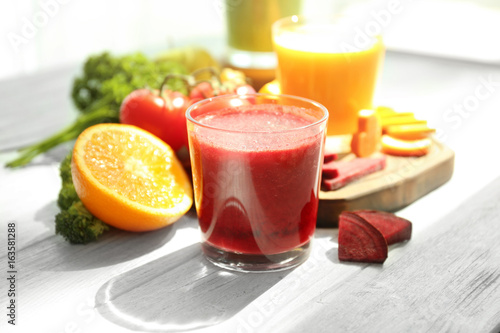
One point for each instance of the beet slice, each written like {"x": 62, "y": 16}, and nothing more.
{"x": 360, "y": 241}
{"x": 329, "y": 156}
{"x": 337, "y": 174}
{"x": 330, "y": 170}
{"x": 395, "y": 229}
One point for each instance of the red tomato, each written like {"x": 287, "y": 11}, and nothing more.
{"x": 245, "y": 89}
{"x": 162, "y": 116}
{"x": 202, "y": 90}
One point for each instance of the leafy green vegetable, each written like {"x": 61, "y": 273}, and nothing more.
{"x": 106, "y": 80}
{"x": 75, "y": 223}
{"x": 78, "y": 226}
{"x": 67, "y": 194}
{"x": 65, "y": 170}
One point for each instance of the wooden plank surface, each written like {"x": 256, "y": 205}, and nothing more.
{"x": 445, "y": 280}
{"x": 34, "y": 107}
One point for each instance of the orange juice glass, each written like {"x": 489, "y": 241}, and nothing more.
{"x": 334, "y": 62}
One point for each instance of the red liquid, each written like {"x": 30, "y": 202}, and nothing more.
{"x": 256, "y": 193}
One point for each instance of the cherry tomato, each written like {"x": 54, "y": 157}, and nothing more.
{"x": 245, "y": 89}
{"x": 163, "y": 116}
{"x": 202, "y": 90}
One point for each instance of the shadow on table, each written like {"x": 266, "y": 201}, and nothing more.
{"x": 53, "y": 253}
{"x": 181, "y": 291}
{"x": 333, "y": 254}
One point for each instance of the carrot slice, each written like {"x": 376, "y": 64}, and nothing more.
{"x": 409, "y": 131}
{"x": 384, "y": 111}
{"x": 397, "y": 147}
{"x": 399, "y": 114}
{"x": 366, "y": 140}
{"x": 399, "y": 120}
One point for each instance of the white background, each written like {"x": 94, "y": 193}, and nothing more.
{"x": 41, "y": 34}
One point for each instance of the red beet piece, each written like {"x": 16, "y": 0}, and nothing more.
{"x": 395, "y": 229}
{"x": 359, "y": 240}
{"x": 349, "y": 171}
{"x": 330, "y": 170}
{"x": 329, "y": 156}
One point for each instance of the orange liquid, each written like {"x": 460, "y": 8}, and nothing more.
{"x": 343, "y": 82}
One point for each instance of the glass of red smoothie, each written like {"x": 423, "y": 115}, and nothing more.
{"x": 256, "y": 162}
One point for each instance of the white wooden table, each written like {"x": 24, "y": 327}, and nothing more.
{"x": 446, "y": 279}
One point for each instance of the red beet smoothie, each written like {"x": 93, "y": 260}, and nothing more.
{"x": 256, "y": 191}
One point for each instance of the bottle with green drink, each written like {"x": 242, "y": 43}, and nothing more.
{"x": 249, "y": 30}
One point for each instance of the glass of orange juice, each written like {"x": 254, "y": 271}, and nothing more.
{"x": 333, "y": 61}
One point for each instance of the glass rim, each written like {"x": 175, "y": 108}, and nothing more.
{"x": 294, "y": 19}
{"x": 354, "y": 20}
{"x": 347, "y": 26}
{"x": 312, "y": 19}
{"x": 301, "y": 19}
{"x": 318, "y": 105}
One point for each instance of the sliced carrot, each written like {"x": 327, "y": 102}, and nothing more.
{"x": 398, "y": 147}
{"x": 409, "y": 131}
{"x": 366, "y": 140}
{"x": 409, "y": 115}
{"x": 400, "y": 120}
{"x": 384, "y": 111}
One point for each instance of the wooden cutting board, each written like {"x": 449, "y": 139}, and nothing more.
{"x": 404, "y": 180}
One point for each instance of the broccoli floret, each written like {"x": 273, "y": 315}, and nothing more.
{"x": 108, "y": 79}
{"x": 65, "y": 170}
{"x": 67, "y": 195}
{"x": 75, "y": 223}
{"x": 86, "y": 88}
{"x": 78, "y": 226}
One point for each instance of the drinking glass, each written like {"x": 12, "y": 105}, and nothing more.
{"x": 335, "y": 61}
{"x": 249, "y": 30}
{"x": 256, "y": 163}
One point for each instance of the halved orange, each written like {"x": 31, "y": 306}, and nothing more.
{"x": 129, "y": 178}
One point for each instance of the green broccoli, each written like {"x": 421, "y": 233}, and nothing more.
{"x": 98, "y": 93}
{"x": 78, "y": 226}
{"x": 107, "y": 80}
{"x": 65, "y": 170}
{"x": 75, "y": 223}
{"x": 67, "y": 196}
